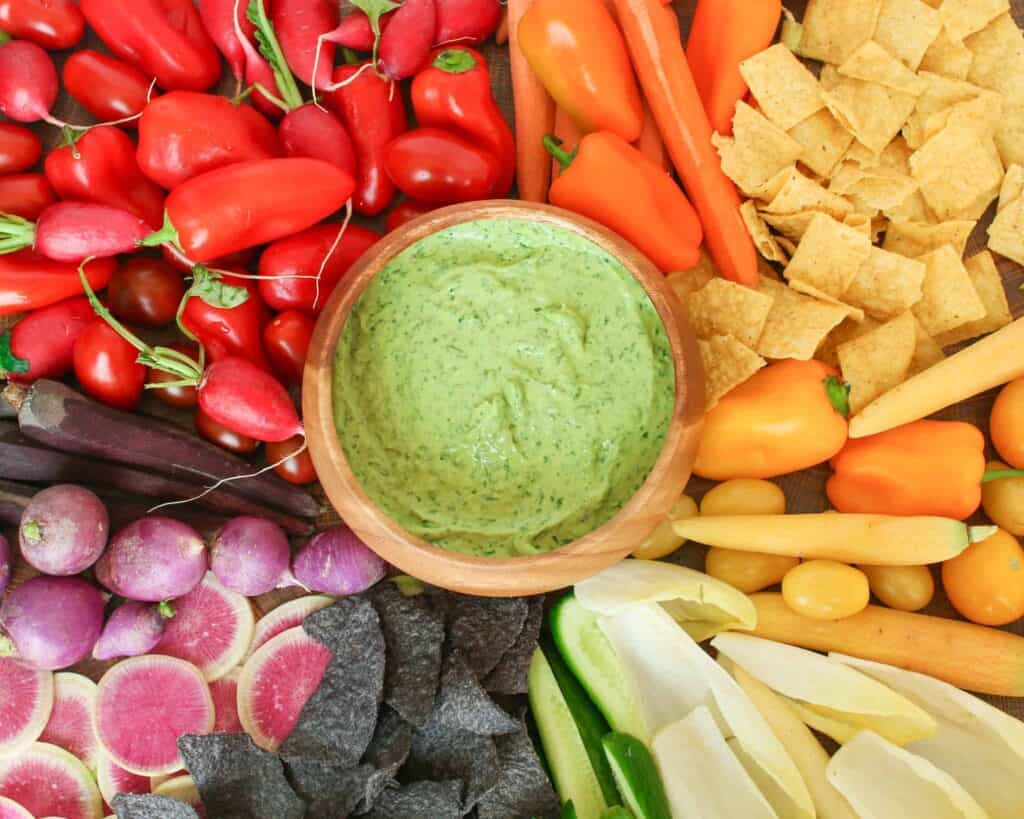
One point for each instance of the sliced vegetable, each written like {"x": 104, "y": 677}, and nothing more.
{"x": 26, "y": 707}
{"x": 9, "y": 809}
{"x": 134, "y": 628}
{"x": 70, "y": 724}
{"x": 286, "y": 616}
{"x": 224, "y": 692}
{"x": 48, "y": 781}
{"x": 64, "y": 530}
{"x": 113, "y": 779}
{"x": 636, "y": 776}
{"x": 663, "y": 540}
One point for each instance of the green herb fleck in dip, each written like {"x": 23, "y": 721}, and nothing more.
{"x": 503, "y": 387}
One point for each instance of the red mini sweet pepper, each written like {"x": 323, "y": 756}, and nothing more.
{"x": 107, "y": 88}
{"x": 25, "y": 194}
{"x": 52, "y": 24}
{"x": 29, "y": 281}
{"x": 438, "y": 166}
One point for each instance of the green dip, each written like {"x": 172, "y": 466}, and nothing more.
{"x": 503, "y": 387}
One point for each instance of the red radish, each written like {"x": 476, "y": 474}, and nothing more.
{"x": 299, "y": 24}
{"x": 355, "y": 31}
{"x": 287, "y": 615}
{"x": 225, "y": 703}
{"x": 51, "y": 622}
{"x": 134, "y": 628}
{"x": 184, "y": 789}
{"x": 275, "y": 684}
{"x": 466, "y": 21}
{"x": 25, "y": 706}
{"x": 9, "y": 809}
{"x": 153, "y": 559}
{"x": 217, "y": 17}
{"x": 337, "y": 562}
{"x": 63, "y": 530}
{"x": 211, "y": 628}
{"x": 257, "y": 70}
{"x": 28, "y": 82}
{"x": 143, "y": 705}
{"x": 114, "y": 779}
{"x": 318, "y": 134}
{"x": 251, "y": 556}
{"x": 70, "y": 724}
{"x": 75, "y": 231}
{"x": 48, "y": 781}
{"x": 248, "y": 400}
{"x": 406, "y": 45}
{"x": 41, "y": 344}
{"x": 5, "y": 564}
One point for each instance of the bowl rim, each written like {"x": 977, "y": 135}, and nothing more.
{"x": 494, "y": 576}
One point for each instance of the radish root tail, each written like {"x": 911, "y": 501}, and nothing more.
{"x": 330, "y": 253}
{"x": 339, "y": 85}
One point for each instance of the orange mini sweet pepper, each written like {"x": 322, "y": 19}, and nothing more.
{"x": 922, "y": 468}
{"x": 608, "y": 180}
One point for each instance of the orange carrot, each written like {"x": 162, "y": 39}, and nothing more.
{"x": 565, "y": 130}
{"x": 652, "y": 35}
{"x": 535, "y": 115}
{"x": 501, "y": 34}
{"x": 650, "y": 143}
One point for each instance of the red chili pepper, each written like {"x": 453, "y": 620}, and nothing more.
{"x": 441, "y": 167}
{"x": 227, "y": 316}
{"x": 20, "y": 148}
{"x": 318, "y": 134}
{"x": 454, "y": 93}
{"x": 41, "y": 344}
{"x": 303, "y": 254}
{"x": 25, "y": 195}
{"x": 184, "y": 134}
{"x": 286, "y": 340}
{"x": 163, "y": 38}
{"x": 29, "y": 281}
{"x": 373, "y": 112}
{"x": 298, "y": 24}
{"x": 407, "y": 211}
{"x": 108, "y": 89}
{"x": 101, "y": 168}
{"x": 53, "y": 24}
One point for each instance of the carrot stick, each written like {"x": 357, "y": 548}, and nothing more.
{"x": 565, "y": 130}
{"x": 655, "y": 45}
{"x": 501, "y": 34}
{"x": 535, "y": 115}
{"x": 650, "y": 143}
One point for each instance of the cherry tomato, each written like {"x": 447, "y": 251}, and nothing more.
{"x": 826, "y": 590}
{"x": 1007, "y": 424}
{"x": 663, "y": 540}
{"x": 748, "y": 571}
{"x": 52, "y": 24}
{"x": 744, "y": 496}
{"x": 106, "y": 366}
{"x": 405, "y": 212}
{"x": 906, "y": 588}
{"x": 985, "y": 582}
{"x": 25, "y": 195}
{"x": 106, "y": 87}
{"x": 20, "y": 148}
{"x": 297, "y": 469}
{"x": 175, "y": 396}
{"x": 146, "y": 290}
{"x": 1004, "y": 500}
{"x": 286, "y": 340}
{"x": 216, "y": 433}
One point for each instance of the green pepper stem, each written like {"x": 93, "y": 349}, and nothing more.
{"x": 553, "y": 145}
{"x": 838, "y": 393}
{"x": 167, "y": 235}
{"x": 1001, "y": 474}
{"x": 4, "y": 37}
{"x": 455, "y": 61}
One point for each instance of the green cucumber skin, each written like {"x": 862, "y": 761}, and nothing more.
{"x": 636, "y": 774}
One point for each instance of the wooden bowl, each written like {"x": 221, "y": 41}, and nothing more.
{"x": 499, "y": 577}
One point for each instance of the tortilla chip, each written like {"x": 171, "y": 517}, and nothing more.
{"x": 1006, "y": 233}
{"x": 829, "y": 77}
{"x": 847, "y": 331}
{"x": 785, "y": 90}
{"x": 1013, "y": 185}
{"x": 834, "y": 29}
{"x": 723, "y": 308}
{"x": 829, "y": 255}
{"x": 979, "y": 110}
{"x": 1009, "y": 135}
{"x": 962, "y": 18}
{"x": 914, "y": 239}
{"x": 872, "y": 112}
{"x": 770, "y": 189}
{"x": 926, "y": 353}
{"x": 757, "y": 150}
{"x": 948, "y": 57}
{"x": 948, "y": 298}
{"x": 685, "y": 283}
{"x": 872, "y": 63}
{"x": 989, "y": 285}
{"x": 886, "y": 284}
{"x": 861, "y": 222}
{"x": 864, "y": 157}
{"x": 758, "y": 230}
{"x": 727, "y": 364}
{"x": 878, "y": 188}
{"x": 792, "y": 226}
{"x": 786, "y": 245}
{"x": 799, "y": 193}
{"x": 806, "y": 289}
{"x": 824, "y": 141}
{"x": 998, "y": 51}
{"x": 797, "y": 324}
{"x": 906, "y": 28}
{"x": 877, "y": 361}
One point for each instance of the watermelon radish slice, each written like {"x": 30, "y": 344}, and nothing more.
{"x": 114, "y": 779}
{"x": 275, "y": 684}
{"x": 225, "y": 703}
{"x": 183, "y": 789}
{"x": 9, "y": 809}
{"x": 25, "y": 704}
{"x": 48, "y": 781}
{"x": 143, "y": 704}
{"x": 212, "y": 628}
{"x": 287, "y": 615}
{"x": 70, "y": 725}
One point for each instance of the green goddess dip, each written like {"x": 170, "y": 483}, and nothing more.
{"x": 503, "y": 387}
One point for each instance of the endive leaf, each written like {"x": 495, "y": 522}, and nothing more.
{"x": 672, "y": 676}
{"x": 701, "y": 604}
{"x": 882, "y": 781}
{"x": 831, "y": 697}
{"x": 979, "y": 745}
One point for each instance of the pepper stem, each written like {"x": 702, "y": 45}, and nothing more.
{"x": 1001, "y": 474}
{"x": 838, "y": 393}
{"x": 4, "y": 37}
{"x": 553, "y": 145}
{"x": 168, "y": 234}
{"x": 455, "y": 61}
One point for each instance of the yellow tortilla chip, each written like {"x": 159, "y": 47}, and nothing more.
{"x": 824, "y": 141}
{"x": 906, "y": 28}
{"x": 886, "y": 284}
{"x": 964, "y": 17}
{"x": 785, "y": 90}
{"x": 829, "y": 77}
{"x": 757, "y": 150}
{"x": 796, "y": 325}
{"x": 806, "y": 289}
{"x": 948, "y": 298}
{"x": 872, "y": 63}
{"x": 723, "y": 308}
{"x": 861, "y": 222}
{"x": 877, "y": 361}
{"x": 989, "y": 285}
{"x": 834, "y": 29}
{"x": 1010, "y": 132}
{"x": 974, "y": 108}
{"x": 873, "y": 113}
{"x": 1013, "y": 185}
{"x": 829, "y": 255}
{"x": 864, "y": 157}
{"x": 799, "y": 193}
{"x": 847, "y": 331}
{"x": 1006, "y": 233}
{"x": 685, "y": 283}
{"x": 927, "y": 352}
{"x": 956, "y": 171}
{"x": 876, "y": 189}
{"x": 896, "y": 156}
{"x": 727, "y": 364}
{"x": 998, "y": 51}
{"x": 762, "y": 236}
{"x": 914, "y": 239}
{"x": 948, "y": 57}
{"x": 792, "y": 226}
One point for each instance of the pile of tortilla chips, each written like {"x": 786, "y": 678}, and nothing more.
{"x": 864, "y": 184}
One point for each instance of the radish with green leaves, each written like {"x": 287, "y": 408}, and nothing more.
{"x": 48, "y": 781}
{"x": 298, "y": 24}
{"x": 250, "y": 555}
{"x": 133, "y": 629}
{"x": 70, "y": 723}
{"x": 25, "y": 706}
{"x": 63, "y": 530}
{"x": 337, "y": 562}
{"x": 286, "y": 616}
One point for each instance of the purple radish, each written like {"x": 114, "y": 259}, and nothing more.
{"x": 51, "y": 622}
{"x": 225, "y": 703}
{"x": 9, "y": 809}
{"x": 134, "y": 628}
{"x": 153, "y": 559}
{"x": 406, "y": 45}
{"x": 287, "y": 615}
{"x": 63, "y": 530}
{"x": 250, "y": 555}
{"x": 75, "y": 231}
{"x": 114, "y": 779}
{"x": 337, "y": 562}
{"x": 143, "y": 705}
{"x": 48, "y": 781}
{"x": 183, "y": 788}
{"x": 275, "y": 684}
{"x": 70, "y": 724}
{"x": 28, "y": 82}
{"x": 6, "y": 564}
{"x": 25, "y": 705}
{"x": 211, "y": 628}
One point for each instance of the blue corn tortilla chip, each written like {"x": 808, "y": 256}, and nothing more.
{"x": 147, "y": 806}
{"x": 419, "y": 800}
{"x": 330, "y": 791}
{"x": 523, "y": 789}
{"x": 513, "y": 669}
{"x": 388, "y": 751}
{"x": 463, "y": 705}
{"x": 237, "y": 780}
{"x": 337, "y": 722}
{"x": 484, "y": 628}
{"x": 441, "y": 753}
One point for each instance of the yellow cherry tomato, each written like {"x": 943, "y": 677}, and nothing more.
{"x": 1004, "y": 500}
{"x": 907, "y": 588}
{"x": 826, "y": 590}
{"x": 663, "y": 541}
{"x": 744, "y": 496}
{"x": 747, "y": 571}
{"x": 985, "y": 583}
{"x": 1006, "y": 425}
